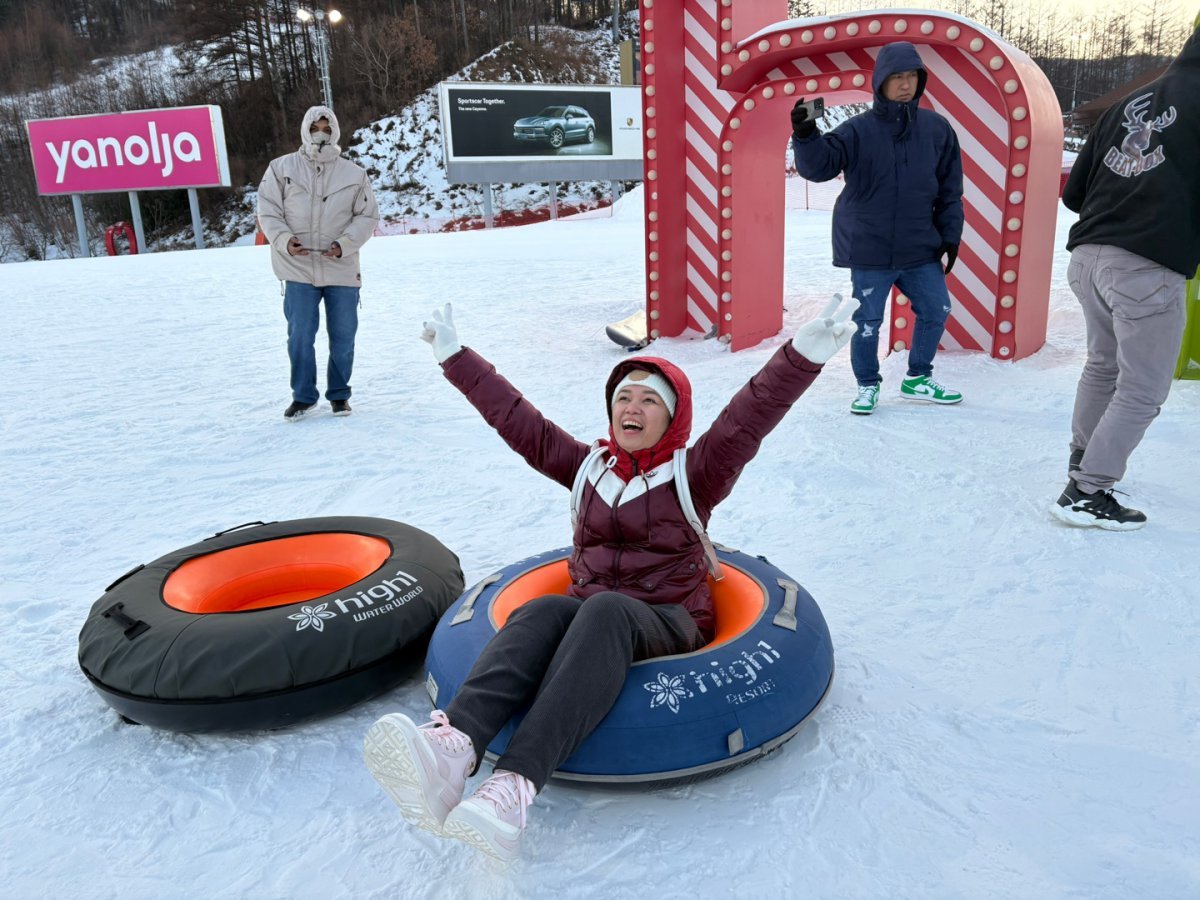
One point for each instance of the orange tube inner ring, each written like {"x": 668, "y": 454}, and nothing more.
{"x": 738, "y": 599}
{"x": 278, "y": 572}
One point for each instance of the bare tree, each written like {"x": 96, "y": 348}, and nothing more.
{"x": 392, "y": 59}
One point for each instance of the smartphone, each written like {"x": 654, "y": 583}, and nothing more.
{"x": 815, "y": 107}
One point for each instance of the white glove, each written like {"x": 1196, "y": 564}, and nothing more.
{"x": 824, "y": 336}
{"x": 441, "y": 335}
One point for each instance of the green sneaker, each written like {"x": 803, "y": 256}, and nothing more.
{"x": 864, "y": 403}
{"x": 923, "y": 387}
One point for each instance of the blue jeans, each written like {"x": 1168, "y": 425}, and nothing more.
{"x": 301, "y": 306}
{"x": 925, "y": 287}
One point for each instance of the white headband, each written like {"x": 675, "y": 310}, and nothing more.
{"x": 652, "y": 381}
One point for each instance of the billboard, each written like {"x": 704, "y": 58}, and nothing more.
{"x": 143, "y": 150}
{"x": 527, "y": 132}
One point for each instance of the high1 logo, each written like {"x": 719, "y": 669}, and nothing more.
{"x": 379, "y": 599}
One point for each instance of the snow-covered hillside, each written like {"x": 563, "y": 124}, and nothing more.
{"x": 404, "y": 156}
{"x": 404, "y": 153}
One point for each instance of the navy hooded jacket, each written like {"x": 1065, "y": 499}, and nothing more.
{"x": 903, "y": 170}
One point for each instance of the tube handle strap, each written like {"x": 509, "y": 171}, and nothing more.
{"x": 467, "y": 610}
{"x": 132, "y": 571}
{"x": 236, "y": 527}
{"x": 786, "y": 617}
{"x": 133, "y": 627}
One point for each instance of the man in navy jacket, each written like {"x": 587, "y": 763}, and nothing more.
{"x": 1136, "y": 187}
{"x": 899, "y": 214}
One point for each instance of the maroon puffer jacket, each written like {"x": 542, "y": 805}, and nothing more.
{"x": 632, "y": 535}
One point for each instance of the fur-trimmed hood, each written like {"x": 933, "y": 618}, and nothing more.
{"x": 318, "y": 152}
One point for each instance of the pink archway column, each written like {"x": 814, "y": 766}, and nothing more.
{"x": 718, "y": 78}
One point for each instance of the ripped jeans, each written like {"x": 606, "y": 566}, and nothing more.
{"x": 925, "y": 287}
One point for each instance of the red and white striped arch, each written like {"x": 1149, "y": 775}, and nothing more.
{"x": 718, "y": 79}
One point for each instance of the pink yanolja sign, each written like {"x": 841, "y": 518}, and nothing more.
{"x": 143, "y": 150}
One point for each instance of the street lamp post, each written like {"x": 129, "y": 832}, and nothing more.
{"x": 321, "y": 35}
{"x": 1076, "y": 39}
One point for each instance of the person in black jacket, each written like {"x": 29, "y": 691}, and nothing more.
{"x": 1136, "y": 187}
{"x": 899, "y": 214}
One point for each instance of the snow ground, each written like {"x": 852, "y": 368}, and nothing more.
{"x": 1014, "y": 714}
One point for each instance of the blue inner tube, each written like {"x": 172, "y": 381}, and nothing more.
{"x": 268, "y": 626}
{"x": 677, "y": 716}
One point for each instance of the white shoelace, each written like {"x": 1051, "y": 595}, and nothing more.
{"x": 507, "y": 791}
{"x": 439, "y": 730}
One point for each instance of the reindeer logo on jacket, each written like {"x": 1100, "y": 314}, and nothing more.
{"x": 1131, "y": 158}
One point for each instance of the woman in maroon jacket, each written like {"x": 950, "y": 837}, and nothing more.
{"x": 639, "y": 584}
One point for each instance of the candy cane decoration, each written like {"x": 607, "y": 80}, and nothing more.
{"x": 718, "y": 77}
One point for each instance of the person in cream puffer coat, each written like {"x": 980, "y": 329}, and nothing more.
{"x": 316, "y": 210}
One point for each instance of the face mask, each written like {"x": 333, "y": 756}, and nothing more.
{"x": 320, "y": 138}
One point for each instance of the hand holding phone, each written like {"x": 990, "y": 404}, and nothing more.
{"x": 808, "y": 109}
{"x": 804, "y": 116}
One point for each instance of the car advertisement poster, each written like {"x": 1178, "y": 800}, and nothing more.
{"x": 507, "y": 122}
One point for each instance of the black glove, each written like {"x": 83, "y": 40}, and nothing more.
{"x": 802, "y": 126}
{"x": 950, "y": 251}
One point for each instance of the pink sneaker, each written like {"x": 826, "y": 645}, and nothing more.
{"x": 423, "y": 769}
{"x": 493, "y": 818}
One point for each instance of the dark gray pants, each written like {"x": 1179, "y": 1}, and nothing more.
{"x": 1135, "y": 315}
{"x": 568, "y": 658}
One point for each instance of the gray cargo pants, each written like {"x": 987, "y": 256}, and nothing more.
{"x": 569, "y": 658}
{"x": 1135, "y": 315}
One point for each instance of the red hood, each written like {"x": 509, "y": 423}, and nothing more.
{"x": 678, "y": 431}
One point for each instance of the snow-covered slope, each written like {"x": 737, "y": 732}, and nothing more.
{"x": 1014, "y": 713}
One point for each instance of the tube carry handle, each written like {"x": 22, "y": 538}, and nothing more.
{"x": 133, "y": 627}
{"x": 136, "y": 568}
{"x": 786, "y": 617}
{"x": 467, "y": 610}
{"x": 236, "y": 527}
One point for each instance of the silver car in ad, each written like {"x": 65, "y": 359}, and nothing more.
{"x": 556, "y": 125}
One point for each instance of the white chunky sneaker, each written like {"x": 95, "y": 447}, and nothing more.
{"x": 423, "y": 769}
{"x": 493, "y": 818}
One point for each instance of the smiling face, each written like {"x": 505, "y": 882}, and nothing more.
{"x": 901, "y": 86}
{"x": 639, "y": 418}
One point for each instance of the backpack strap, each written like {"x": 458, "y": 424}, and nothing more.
{"x": 682, "y": 490}
{"x": 689, "y": 511}
{"x": 581, "y": 478}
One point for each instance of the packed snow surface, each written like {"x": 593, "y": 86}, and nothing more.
{"x": 1015, "y": 710}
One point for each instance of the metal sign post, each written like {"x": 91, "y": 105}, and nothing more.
{"x": 135, "y": 212}
{"x": 487, "y": 206}
{"x": 80, "y": 225}
{"x": 197, "y": 224}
